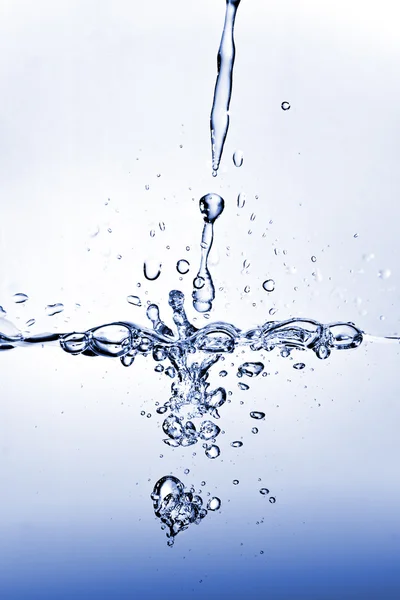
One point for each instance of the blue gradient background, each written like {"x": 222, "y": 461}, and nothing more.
{"x": 97, "y": 99}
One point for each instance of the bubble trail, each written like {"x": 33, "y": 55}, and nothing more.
{"x": 211, "y": 206}
{"x": 219, "y": 120}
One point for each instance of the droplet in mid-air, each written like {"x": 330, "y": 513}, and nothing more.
{"x": 135, "y": 300}
{"x": 211, "y": 206}
{"x": 152, "y": 269}
{"x": 255, "y": 414}
{"x": 54, "y": 309}
{"x": 238, "y": 158}
{"x": 285, "y": 105}
{"x": 182, "y": 266}
{"x": 269, "y": 285}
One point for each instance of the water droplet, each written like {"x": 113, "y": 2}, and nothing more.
{"x": 135, "y": 300}
{"x": 243, "y": 386}
{"x": 54, "y": 309}
{"x": 384, "y": 273}
{"x": 299, "y": 366}
{"x": 235, "y": 482}
{"x": 211, "y": 206}
{"x": 152, "y": 269}
{"x": 272, "y": 500}
{"x": 213, "y": 503}
{"x": 20, "y": 298}
{"x": 241, "y": 200}
{"x": 213, "y": 451}
{"x": 182, "y": 266}
{"x": 255, "y": 414}
{"x": 238, "y": 158}
{"x": 236, "y": 444}
{"x": 285, "y": 105}
{"x": 269, "y": 285}
{"x": 264, "y": 491}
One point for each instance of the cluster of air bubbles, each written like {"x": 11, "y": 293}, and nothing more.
{"x": 178, "y": 508}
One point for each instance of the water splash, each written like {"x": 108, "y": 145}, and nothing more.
{"x": 211, "y": 207}
{"x": 191, "y": 397}
{"x": 219, "y": 120}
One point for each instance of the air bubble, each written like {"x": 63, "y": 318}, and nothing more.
{"x": 255, "y": 414}
{"x": 213, "y": 503}
{"x": 20, "y": 298}
{"x": 236, "y": 444}
{"x": 241, "y": 200}
{"x": 212, "y": 452}
{"x": 135, "y": 300}
{"x": 285, "y": 105}
{"x": 152, "y": 269}
{"x": 54, "y": 309}
{"x": 183, "y": 266}
{"x": 238, "y": 158}
{"x": 264, "y": 491}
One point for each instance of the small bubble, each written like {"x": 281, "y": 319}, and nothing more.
{"x": 272, "y": 311}
{"x": 109, "y": 230}
{"x": 54, "y": 309}
{"x": 152, "y": 233}
{"x": 252, "y": 217}
{"x": 212, "y": 451}
{"x": 187, "y": 471}
{"x": 238, "y": 158}
{"x": 223, "y": 373}
{"x": 254, "y": 430}
{"x": 285, "y": 105}
{"x": 243, "y": 386}
{"x": 214, "y": 503}
{"x": 272, "y": 500}
{"x": 314, "y": 259}
{"x": 148, "y": 415}
{"x": 161, "y": 226}
{"x": 119, "y": 256}
{"x": 20, "y": 298}
{"x": 264, "y": 491}
{"x": 247, "y": 289}
{"x": 152, "y": 269}
{"x": 142, "y": 412}
{"x": 269, "y": 285}
{"x": 198, "y": 283}
{"x": 299, "y": 366}
{"x": 255, "y": 414}
{"x": 236, "y": 444}
{"x": 147, "y": 187}
{"x": 235, "y": 482}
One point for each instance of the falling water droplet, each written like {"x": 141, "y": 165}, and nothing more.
{"x": 135, "y": 300}
{"x": 269, "y": 285}
{"x": 255, "y": 414}
{"x": 238, "y": 158}
{"x": 241, "y": 200}
{"x": 54, "y": 309}
{"x": 152, "y": 269}
{"x": 285, "y": 105}
{"x": 182, "y": 266}
{"x": 20, "y": 298}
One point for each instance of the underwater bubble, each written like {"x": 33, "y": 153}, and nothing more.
{"x": 272, "y": 500}
{"x": 299, "y": 366}
{"x": 254, "y": 430}
{"x": 75, "y": 343}
{"x": 208, "y": 430}
{"x": 214, "y": 503}
{"x": 172, "y": 427}
{"x": 152, "y": 233}
{"x": 187, "y": 471}
{"x": 255, "y": 414}
{"x": 223, "y": 373}
{"x": 152, "y": 269}
{"x": 251, "y": 369}
{"x": 20, "y": 298}
{"x": 54, "y": 309}
{"x": 241, "y": 200}
{"x": 161, "y": 223}
{"x": 272, "y": 311}
{"x": 269, "y": 285}
{"x": 211, "y": 206}
{"x": 264, "y": 491}
{"x": 182, "y": 266}
{"x": 238, "y": 158}
{"x": 159, "y": 369}
{"x": 235, "y": 482}
{"x": 170, "y": 371}
{"x": 243, "y": 386}
{"x": 161, "y": 410}
{"x": 111, "y": 340}
{"x": 252, "y": 217}
{"x": 247, "y": 289}
{"x": 28, "y": 323}
{"x": 285, "y": 105}
{"x": 212, "y": 451}
{"x": 313, "y": 259}
{"x": 236, "y": 444}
